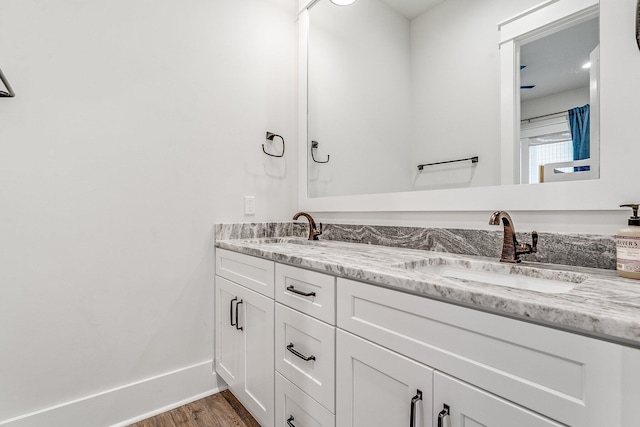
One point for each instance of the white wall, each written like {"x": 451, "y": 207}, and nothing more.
{"x": 563, "y": 101}
{"x": 359, "y": 98}
{"x": 137, "y": 125}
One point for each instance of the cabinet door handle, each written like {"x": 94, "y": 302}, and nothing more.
{"x": 231, "y": 311}
{"x": 304, "y": 294}
{"x": 237, "y": 325}
{"x": 300, "y": 355}
{"x": 442, "y": 415}
{"x": 289, "y": 423}
{"x": 414, "y": 400}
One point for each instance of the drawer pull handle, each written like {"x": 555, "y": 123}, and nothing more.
{"x": 289, "y": 423}
{"x": 231, "y": 312}
{"x": 304, "y": 294}
{"x": 442, "y": 415}
{"x": 237, "y": 325}
{"x": 300, "y": 355}
{"x": 414, "y": 400}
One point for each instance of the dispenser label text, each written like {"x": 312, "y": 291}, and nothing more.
{"x": 628, "y": 253}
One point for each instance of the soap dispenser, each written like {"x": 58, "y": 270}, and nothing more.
{"x": 628, "y": 246}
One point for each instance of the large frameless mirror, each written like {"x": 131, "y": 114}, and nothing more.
{"x": 408, "y": 95}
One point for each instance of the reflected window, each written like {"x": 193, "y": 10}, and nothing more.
{"x": 545, "y": 149}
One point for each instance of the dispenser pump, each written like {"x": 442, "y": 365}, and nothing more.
{"x": 634, "y": 220}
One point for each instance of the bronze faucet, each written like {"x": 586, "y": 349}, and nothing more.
{"x": 511, "y": 249}
{"x": 313, "y": 231}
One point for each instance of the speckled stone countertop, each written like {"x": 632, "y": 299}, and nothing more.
{"x": 600, "y": 305}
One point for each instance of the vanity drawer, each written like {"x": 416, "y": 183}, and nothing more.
{"x": 252, "y": 272}
{"x": 299, "y": 337}
{"x": 567, "y": 377}
{"x": 296, "y": 407}
{"x": 307, "y": 291}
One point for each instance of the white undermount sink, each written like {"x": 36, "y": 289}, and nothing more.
{"x": 510, "y": 275}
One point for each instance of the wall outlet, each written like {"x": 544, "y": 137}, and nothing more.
{"x": 249, "y": 205}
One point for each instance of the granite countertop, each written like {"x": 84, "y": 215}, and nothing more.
{"x": 601, "y": 305}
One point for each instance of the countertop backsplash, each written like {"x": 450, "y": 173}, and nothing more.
{"x": 583, "y": 250}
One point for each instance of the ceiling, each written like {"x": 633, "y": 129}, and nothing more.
{"x": 411, "y": 8}
{"x": 554, "y": 63}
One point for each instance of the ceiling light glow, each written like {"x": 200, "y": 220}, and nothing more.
{"x": 587, "y": 65}
{"x": 343, "y": 2}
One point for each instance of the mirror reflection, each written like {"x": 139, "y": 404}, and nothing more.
{"x": 395, "y": 84}
{"x": 556, "y": 73}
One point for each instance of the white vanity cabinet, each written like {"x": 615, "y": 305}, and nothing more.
{"x": 244, "y": 352}
{"x": 301, "y": 348}
{"x": 565, "y": 377}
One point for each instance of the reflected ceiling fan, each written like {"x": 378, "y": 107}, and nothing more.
{"x": 522, "y": 67}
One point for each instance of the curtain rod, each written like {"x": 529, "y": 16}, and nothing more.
{"x": 543, "y": 116}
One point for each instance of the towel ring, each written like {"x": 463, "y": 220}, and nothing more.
{"x": 314, "y": 145}
{"x": 638, "y": 24}
{"x": 270, "y": 137}
{"x": 9, "y": 93}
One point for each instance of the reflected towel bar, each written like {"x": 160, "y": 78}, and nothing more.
{"x": 473, "y": 159}
{"x": 10, "y": 93}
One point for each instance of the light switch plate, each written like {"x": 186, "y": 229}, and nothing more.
{"x": 249, "y": 205}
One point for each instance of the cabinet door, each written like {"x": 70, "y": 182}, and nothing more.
{"x": 229, "y": 340}
{"x": 468, "y": 406}
{"x": 256, "y": 319}
{"x": 245, "y": 332}
{"x": 375, "y": 387}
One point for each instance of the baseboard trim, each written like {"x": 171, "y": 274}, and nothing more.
{"x": 127, "y": 404}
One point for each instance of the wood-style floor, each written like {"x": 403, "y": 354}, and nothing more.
{"x": 219, "y": 410}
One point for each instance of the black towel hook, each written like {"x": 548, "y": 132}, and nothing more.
{"x": 270, "y": 136}
{"x": 314, "y": 145}
{"x": 10, "y": 93}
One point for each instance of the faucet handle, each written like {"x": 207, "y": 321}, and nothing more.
{"x": 315, "y": 232}
{"x": 534, "y": 241}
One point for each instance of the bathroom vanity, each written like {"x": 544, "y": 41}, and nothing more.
{"x": 341, "y": 334}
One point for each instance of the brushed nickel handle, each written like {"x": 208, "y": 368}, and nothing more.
{"x": 414, "y": 401}
{"x": 442, "y": 415}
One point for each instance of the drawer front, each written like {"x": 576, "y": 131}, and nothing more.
{"x": 295, "y": 408}
{"x": 255, "y": 273}
{"x": 567, "y": 377}
{"x": 307, "y": 291}
{"x": 299, "y": 337}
